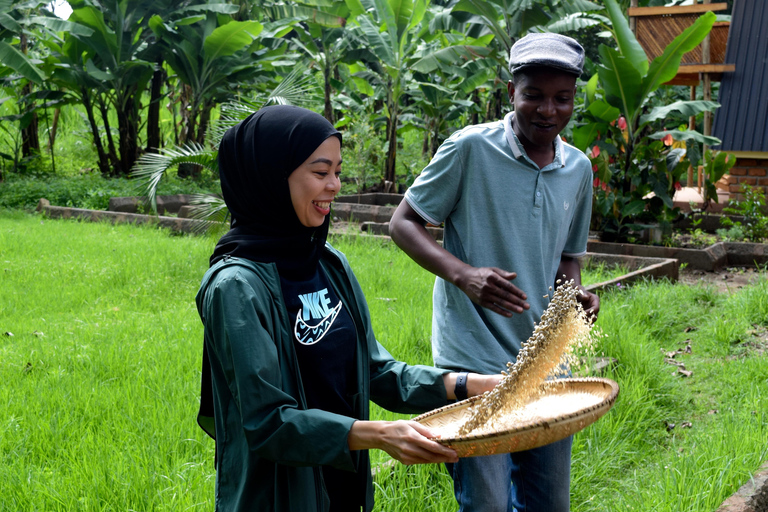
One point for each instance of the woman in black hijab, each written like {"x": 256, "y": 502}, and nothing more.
{"x": 290, "y": 360}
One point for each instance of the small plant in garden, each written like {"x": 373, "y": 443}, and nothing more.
{"x": 755, "y": 224}
{"x": 695, "y": 237}
{"x": 734, "y": 233}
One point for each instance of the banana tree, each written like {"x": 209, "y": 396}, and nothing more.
{"x": 150, "y": 168}
{"x": 15, "y": 25}
{"x": 207, "y": 56}
{"x": 636, "y": 161}
{"x": 321, "y": 37}
{"x": 391, "y": 31}
{"x": 448, "y": 71}
{"x": 155, "y": 50}
{"x": 112, "y": 60}
{"x": 25, "y": 30}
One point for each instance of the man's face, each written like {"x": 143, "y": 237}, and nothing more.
{"x": 543, "y": 100}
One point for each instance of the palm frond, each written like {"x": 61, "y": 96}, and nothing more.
{"x": 298, "y": 88}
{"x": 232, "y": 113}
{"x": 151, "y": 167}
{"x": 210, "y": 210}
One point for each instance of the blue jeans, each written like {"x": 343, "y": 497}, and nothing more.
{"x": 537, "y": 480}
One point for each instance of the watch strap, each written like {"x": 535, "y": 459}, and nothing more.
{"x": 460, "y": 390}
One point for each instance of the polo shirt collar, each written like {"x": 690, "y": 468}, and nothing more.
{"x": 519, "y": 151}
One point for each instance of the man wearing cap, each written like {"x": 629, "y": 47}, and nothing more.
{"x": 516, "y": 202}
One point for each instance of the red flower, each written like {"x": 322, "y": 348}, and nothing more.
{"x": 668, "y": 140}
{"x": 678, "y": 186}
{"x": 622, "y": 123}
{"x": 604, "y": 186}
{"x": 594, "y": 168}
{"x": 596, "y": 182}
{"x": 595, "y": 152}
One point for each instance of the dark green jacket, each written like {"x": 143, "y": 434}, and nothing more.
{"x": 269, "y": 446}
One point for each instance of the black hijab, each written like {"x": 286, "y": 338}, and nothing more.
{"x": 256, "y": 156}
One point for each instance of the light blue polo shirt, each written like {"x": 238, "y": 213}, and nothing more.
{"x": 500, "y": 210}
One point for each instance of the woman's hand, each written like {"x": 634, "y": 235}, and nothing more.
{"x": 407, "y": 441}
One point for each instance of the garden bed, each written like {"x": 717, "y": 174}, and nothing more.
{"x": 639, "y": 268}
{"x": 714, "y": 257}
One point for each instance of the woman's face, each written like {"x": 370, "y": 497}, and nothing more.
{"x": 315, "y": 183}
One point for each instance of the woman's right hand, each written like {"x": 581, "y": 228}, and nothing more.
{"x": 407, "y": 441}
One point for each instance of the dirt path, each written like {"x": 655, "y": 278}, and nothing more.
{"x": 727, "y": 280}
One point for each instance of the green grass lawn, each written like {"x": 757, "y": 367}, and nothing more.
{"x": 101, "y": 378}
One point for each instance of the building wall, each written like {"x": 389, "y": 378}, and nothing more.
{"x": 750, "y": 171}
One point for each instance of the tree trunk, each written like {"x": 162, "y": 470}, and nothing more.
{"x": 112, "y": 152}
{"x": 173, "y": 100}
{"x": 474, "y": 117}
{"x": 54, "y": 127}
{"x": 328, "y": 90}
{"x": 205, "y": 119}
{"x": 186, "y": 110}
{"x": 153, "y": 110}
{"x": 128, "y": 130}
{"x": 389, "y": 170}
{"x": 435, "y": 137}
{"x": 103, "y": 161}
{"x": 493, "y": 112}
{"x": 30, "y": 140}
{"x": 191, "y": 129}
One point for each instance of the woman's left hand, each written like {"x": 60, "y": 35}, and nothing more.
{"x": 409, "y": 442}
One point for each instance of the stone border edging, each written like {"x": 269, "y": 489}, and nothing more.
{"x": 710, "y": 258}
{"x": 173, "y": 223}
{"x": 752, "y": 496}
{"x": 357, "y": 212}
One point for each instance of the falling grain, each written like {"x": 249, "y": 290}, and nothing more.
{"x": 563, "y": 327}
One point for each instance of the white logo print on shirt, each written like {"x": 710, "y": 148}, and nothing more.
{"x": 315, "y": 307}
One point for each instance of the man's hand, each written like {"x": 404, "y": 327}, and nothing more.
{"x": 490, "y": 287}
{"x": 589, "y": 302}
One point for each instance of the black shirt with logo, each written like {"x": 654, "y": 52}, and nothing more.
{"x": 325, "y": 341}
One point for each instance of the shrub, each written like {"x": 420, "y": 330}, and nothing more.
{"x": 755, "y": 223}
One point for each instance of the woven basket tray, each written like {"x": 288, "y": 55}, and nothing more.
{"x": 526, "y": 434}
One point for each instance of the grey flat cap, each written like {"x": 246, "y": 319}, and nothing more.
{"x": 547, "y": 50}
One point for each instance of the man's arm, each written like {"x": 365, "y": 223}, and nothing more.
{"x": 571, "y": 269}
{"x": 488, "y": 287}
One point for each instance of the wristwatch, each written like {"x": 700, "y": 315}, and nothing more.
{"x": 460, "y": 390}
